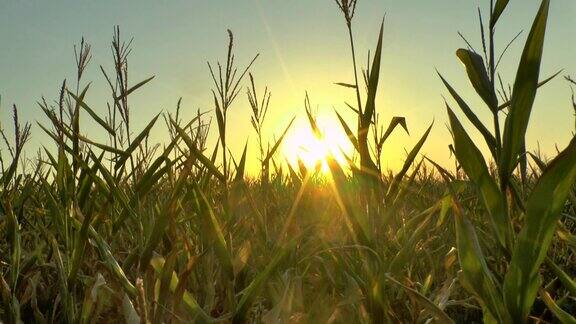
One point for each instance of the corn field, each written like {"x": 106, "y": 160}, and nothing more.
{"x": 140, "y": 231}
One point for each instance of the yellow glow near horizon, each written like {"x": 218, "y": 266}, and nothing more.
{"x": 301, "y": 143}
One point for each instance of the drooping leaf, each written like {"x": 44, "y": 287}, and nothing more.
{"x": 190, "y": 302}
{"x": 559, "y": 313}
{"x": 100, "y": 121}
{"x": 565, "y": 279}
{"x": 393, "y": 124}
{"x": 478, "y": 76}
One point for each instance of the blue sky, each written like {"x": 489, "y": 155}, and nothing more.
{"x": 303, "y": 47}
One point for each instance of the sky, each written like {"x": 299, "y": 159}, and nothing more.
{"x": 303, "y": 47}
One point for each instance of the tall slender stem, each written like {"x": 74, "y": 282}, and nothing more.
{"x": 492, "y": 80}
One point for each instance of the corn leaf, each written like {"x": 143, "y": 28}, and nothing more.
{"x": 348, "y": 131}
{"x": 135, "y": 143}
{"x": 478, "y": 76}
{"x": 559, "y": 313}
{"x": 473, "y": 163}
{"x": 393, "y": 124}
{"x": 498, "y": 10}
{"x": 100, "y": 121}
{"x": 565, "y": 279}
{"x": 257, "y": 284}
{"x": 523, "y": 95}
{"x": 212, "y": 233}
{"x": 392, "y": 190}
{"x": 488, "y": 137}
{"x": 436, "y": 311}
{"x": 133, "y": 88}
{"x": 207, "y": 163}
{"x": 542, "y": 213}
{"x": 476, "y": 277}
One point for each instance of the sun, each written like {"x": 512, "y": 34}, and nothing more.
{"x": 302, "y": 144}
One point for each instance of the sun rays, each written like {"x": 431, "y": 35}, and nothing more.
{"x": 301, "y": 144}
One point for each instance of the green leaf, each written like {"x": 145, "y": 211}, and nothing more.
{"x": 348, "y": 131}
{"x": 133, "y": 88}
{"x": 257, "y": 284}
{"x": 365, "y": 118}
{"x": 190, "y": 303}
{"x": 346, "y": 85}
{"x": 478, "y": 76}
{"x": 559, "y": 313}
{"x": 473, "y": 163}
{"x": 241, "y": 165}
{"x": 373, "y": 82}
{"x": 498, "y": 10}
{"x": 210, "y": 166}
{"x": 476, "y": 277}
{"x": 109, "y": 260}
{"x": 221, "y": 124}
{"x": 166, "y": 284}
{"x": 353, "y": 221}
{"x": 135, "y": 143}
{"x": 81, "y": 103}
{"x": 436, "y": 311}
{"x": 212, "y": 233}
{"x": 543, "y": 208}
{"x": 168, "y": 212}
{"x": 272, "y": 151}
{"x": 393, "y": 123}
{"x": 392, "y": 190}
{"x": 488, "y": 137}
{"x": 404, "y": 190}
{"x": 402, "y": 259}
{"x": 523, "y": 95}
{"x": 569, "y": 283}
{"x": 540, "y": 84}
{"x": 76, "y": 123}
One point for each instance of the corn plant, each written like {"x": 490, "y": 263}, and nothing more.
{"x": 145, "y": 231}
{"x": 523, "y": 228}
